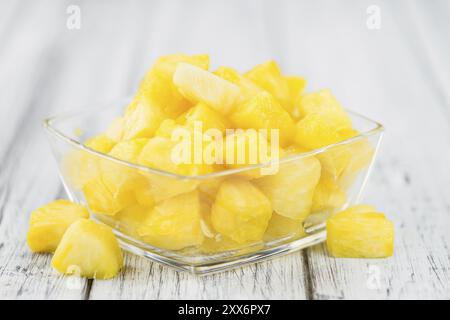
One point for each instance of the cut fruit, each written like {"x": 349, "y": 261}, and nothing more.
{"x": 291, "y": 189}
{"x": 208, "y": 117}
{"x": 323, "y": 101}
{"x": 198, "y": 85}
{"x": 128, "y": 150}
{"x": 141, "y": 120}
{"x": 247, "y": 88}
{"x": 115, "y": 130}
{"x": 48, "y": 224}
{"x": 327, "y": 195}
{"x": 296, "y": 87}
{"x": 282, "y": 227}
{"x": 131, "y": 218}
{"x": 101, "y": 143}
{"x": 240, "y": 212}
{"x": 158, "y": 88}
{"x": 264, "y": 112}
{"x": 317, "y": 130}
{"x": 359, "y": 234}
{"x": 268, "y": 76}
{"x": 174, "y": 224}
{"x": 89, "y": 250}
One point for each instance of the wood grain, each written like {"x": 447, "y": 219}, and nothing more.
{"x": 397, "y": 75}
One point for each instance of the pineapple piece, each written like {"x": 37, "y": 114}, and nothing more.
{"x": 144, "y": 196}
{"x": 296, "y": 87}
{"x": 115, "y": 130}
{"x": 327, "y": 195}
{"x": 79, "y": 167}
{"x": 359, "y": 234}
{"x": 240, "y": 212}
{"x": 208, "y": 117}
{"x": 166, "y": 128}
{"x": 158, "y": 87}
{"x": 101, "y": 143}
{"x": 89, "y": 248}
{"x": 268, "y": 76}
{"x": 112, "y": 189}
{"x": 317, "y": 130}
{"x": 291, "y": 189}
{"x": 141, "y": 119}
{"x": 334, "y": 160}
{"x": 264, "y": 112}
{"x": 246, "y": 148}
{"x": 198, "y": 85}
{"x": 323, "y": 101}
{"x": 131, "y": 218}
{"x": 174, "y": 224}
{"x": 361, "y": 155}
{"x": 158, "y": 154}
{"x": 248, "y": 89}
{"x": 282, "y": 227}
{"x": 48, "y": 224}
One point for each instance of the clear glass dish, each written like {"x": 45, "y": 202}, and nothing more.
{"x": 347, "y": 164}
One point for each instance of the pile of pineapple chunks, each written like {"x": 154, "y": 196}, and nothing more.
{"x": 218, "y": 213}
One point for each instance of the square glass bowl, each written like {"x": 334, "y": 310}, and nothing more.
{"x": 121, "y": 195}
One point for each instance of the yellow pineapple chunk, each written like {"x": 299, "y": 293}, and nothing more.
{"x": 282, "y": 227}
{"x": 361, "y": 155}
{"x": 360, "y": 234}
{"x": 128, "y": 150}
{"x": 141, "y": 119}
{"x": 327, "y": 195}
{"x": 174, "y": 224}
{"x": 208, "y": 117}
{"x": 167, "y": 127}
{"x": 296, "y": 87}
{"x": 101, "y": 143}
{"x": 48, "y": 224}
{"x": 323, "y": 101}
{"x": 131, "y": 218}
{"x": 317, "y": 130}
{"x": 158, "y": 87}
{"x": 291, "y": 189}
{"x": 240, "y": 212}
{"x": 89, "y": 250}
{"x": 247, "y": 88}
{"x": 198, "y": 85}
{"x": 268, "y": 76}
{"x": 115, "y": 130}
{"x": 264, "y": 112}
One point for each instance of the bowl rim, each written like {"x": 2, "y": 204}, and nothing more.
{"x": 48, "y": 122}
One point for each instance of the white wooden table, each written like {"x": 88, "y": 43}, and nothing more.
{"x": 398, "y": 74}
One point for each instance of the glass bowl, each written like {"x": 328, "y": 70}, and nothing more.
{"x": 121, "y": 194}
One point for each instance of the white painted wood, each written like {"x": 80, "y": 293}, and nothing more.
{"x": 398, "y": 75}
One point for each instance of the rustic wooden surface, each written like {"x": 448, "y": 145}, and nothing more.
{"x": 398, "y": 74}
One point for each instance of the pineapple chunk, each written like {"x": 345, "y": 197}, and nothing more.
{"x": 198, "y": 85}
{"x": 246, "y": 148}
{"x": 240, "y": 212}
{"x": 167, "y": 127}
{"x": 101, "y": 143}
{"x": 268, "y": 76}
{"x": 208, "y": 117}
{"x": 128, "y": 150}
{"x": 158, "y": 86}
{"x": 174, "y": 224}
{"x": 317, "y": 130}
{"x": 296, "y": 87}
{"x": 131, "y": 218}
{"x": 158, "y": 154}
{"x": 327, "y": 195}
{"x": 248, "y": 89}
{"x": 323, "y": 101}
{"x": 112, "y": 189}
{"x": 360, "y": 234}
{"x": 115, "y": 130}
{"x": 48, "y": 224}
{"x": 291, "y": 189}
{"x": 282, "y": 227}
{"x": 90, "y": 249}
{"x": 264, "y": 112}
{"x": 142, "y": 118}
{"x": 361, "y": 155}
